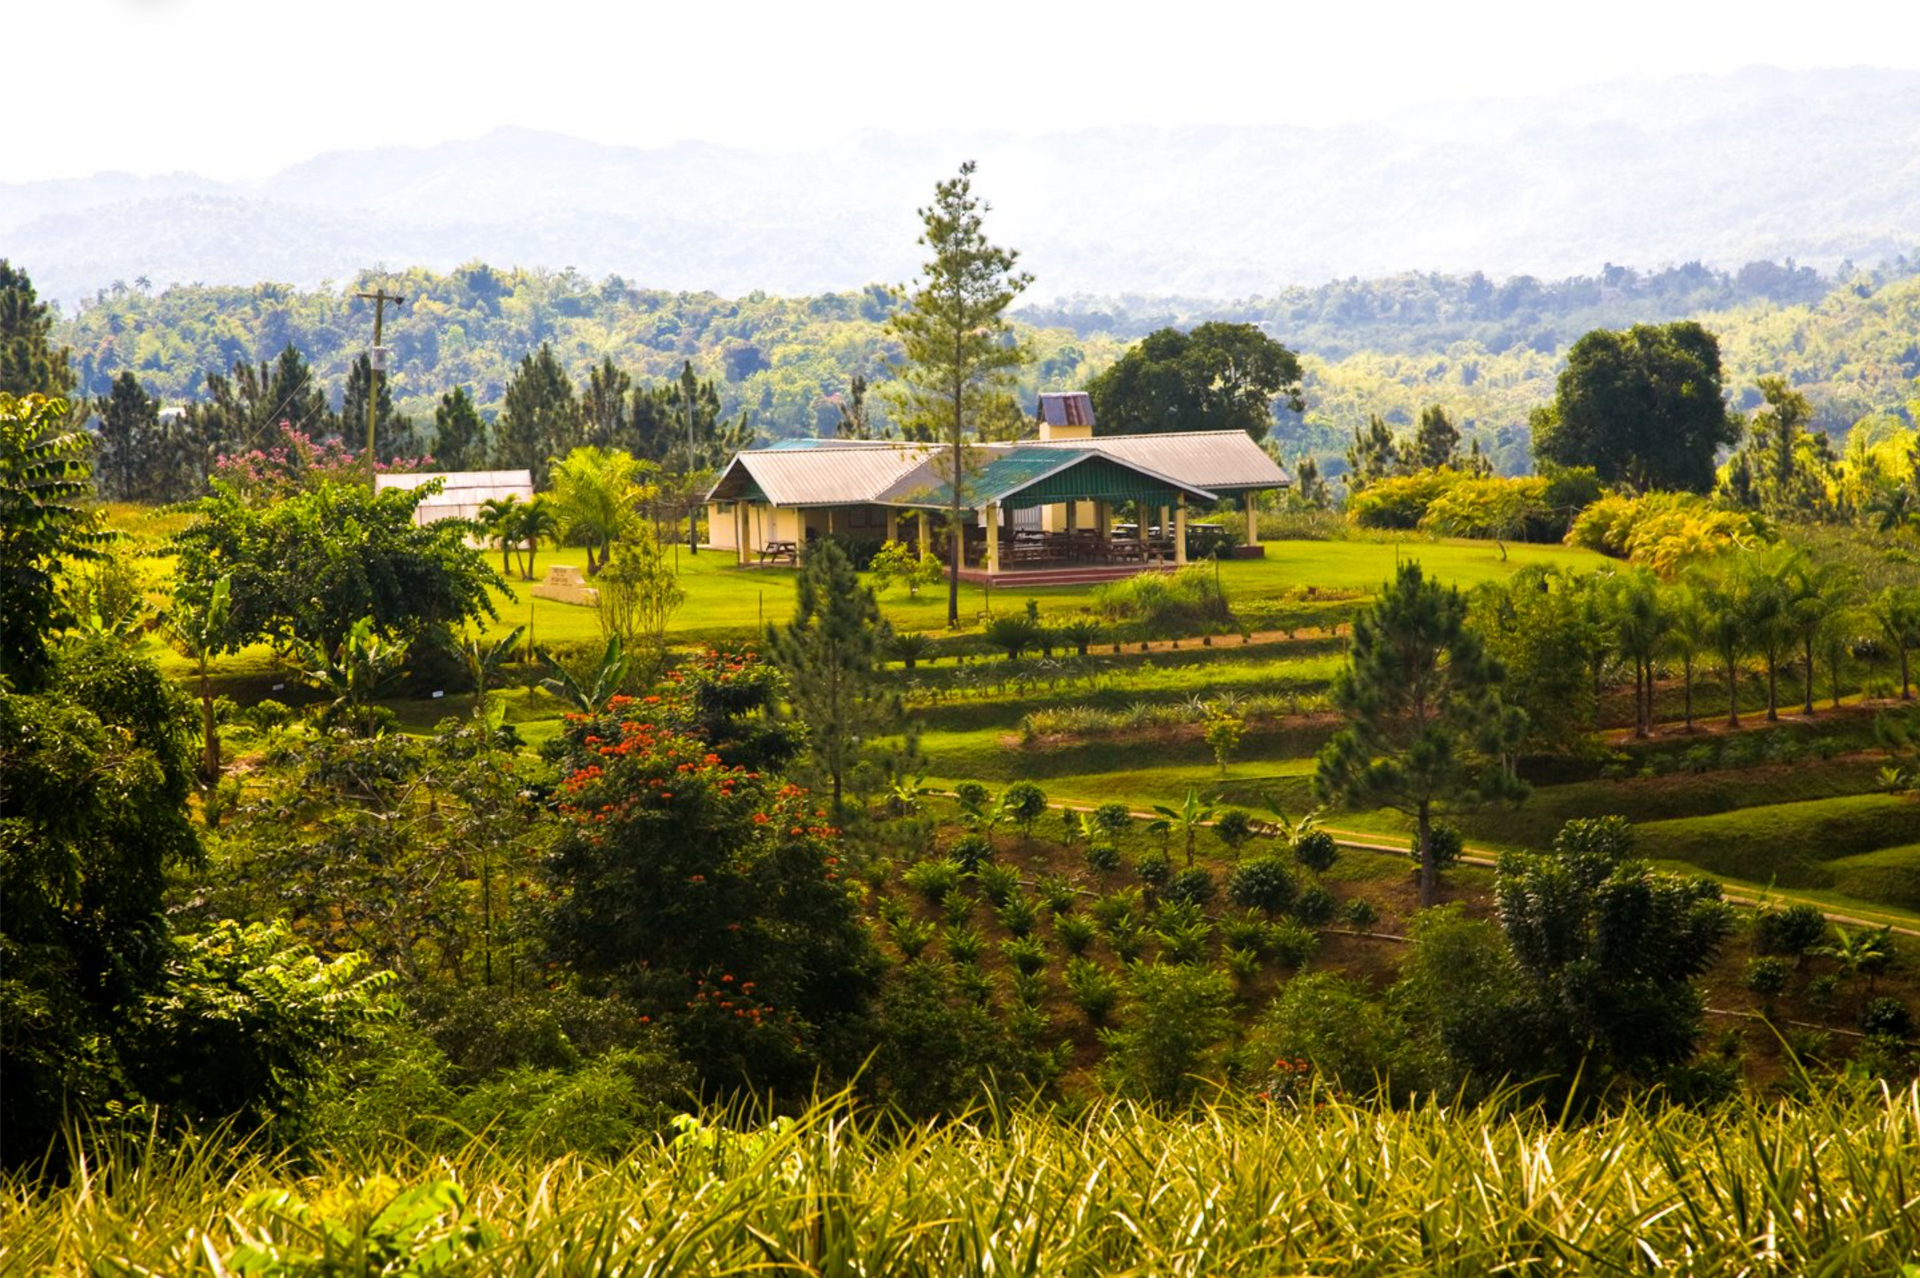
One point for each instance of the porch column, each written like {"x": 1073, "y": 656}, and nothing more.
{"x": 740, "y": 533}
{"x": 1253, "y": 522}
{"x": 1102, "y": 518}
{"x": 1180, "y": 530}
{"x": 893, "y": 524}
{"x": 829, "y": 521}
{"x": 920, "y": 518}
{"x": 1072, "y": 508}
{"x": 993, "y": 538}
{"x": 1166, "y": 518}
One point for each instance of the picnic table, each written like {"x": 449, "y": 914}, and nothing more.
{"x": 787, "y": 550}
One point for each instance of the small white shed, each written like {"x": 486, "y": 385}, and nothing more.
{"x": 464, "y": 492}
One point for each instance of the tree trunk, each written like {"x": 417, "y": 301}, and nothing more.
{"x": 1773, "y": 689}
{"x": 1807, "y": 651}
{"x": 1906, "y": 681}
{"x": 1429, "y": 876}
{"x": 1733, "y": 694}
{"x": 210, "y": 731}
{"x": 1687, "y": 677}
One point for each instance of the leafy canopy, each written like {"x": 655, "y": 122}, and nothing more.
{"x": 1220, "y": 376}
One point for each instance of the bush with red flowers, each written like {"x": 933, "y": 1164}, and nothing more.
{"x": 710, "y": 895}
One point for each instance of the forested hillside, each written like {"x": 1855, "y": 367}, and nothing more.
{"x": 1487, "y": 351}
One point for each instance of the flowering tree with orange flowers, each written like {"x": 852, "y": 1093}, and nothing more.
{"x": 711, "y": 895}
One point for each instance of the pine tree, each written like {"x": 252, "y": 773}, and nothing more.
{"x": 539, "y": 419}
{"x": 1427, "y": 729}
{"x": 1436, "y": 441}
{"x": 1372, "y": 455}
{"x": 958, "y": 347}
{"x": 830, "y": 652}
{"x": 393, "y": 433}
{"x": 30, "y": 364}
{"x": 603, "y": 405}
{"x": 129, "y": 454}
{"x": 459, "y": 436}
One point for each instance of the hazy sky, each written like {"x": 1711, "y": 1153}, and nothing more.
{"x": 240, "y": 88}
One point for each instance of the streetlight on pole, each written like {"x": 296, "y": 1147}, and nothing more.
{"x": 376, "y": 365}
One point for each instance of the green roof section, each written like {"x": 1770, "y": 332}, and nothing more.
{"x": 1023, "y": 477}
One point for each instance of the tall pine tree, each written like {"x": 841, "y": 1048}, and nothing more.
{"x": 1426, "y": 728}
{"x": 130, "y": 446}
{"x": 30, "y": 364}
{"x": 393, "y": 433}
{"x": 459, "y": 436}
{"x": 830, "y": 653}
{"x": 539, "y": 418}
{"x": 959, "y": 350}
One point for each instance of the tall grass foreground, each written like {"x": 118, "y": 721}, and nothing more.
{"x": 1821, "y": 1186}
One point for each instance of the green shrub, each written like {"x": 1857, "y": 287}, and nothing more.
{"x": 912, "y": 936}
{"x": 964, "y": 943}
{"x": 1057, "y": 893}
{"x": 1025, "y": 953}
{"x": 1243, "y": 964}
{"x": 1244, "y": 932}
{"x": 1013, "y": 635}
{"x": 1017, "y": 914}
{"x": 1314, "y": 905}
{"x": 1075, "y": 932}
{"x": 1445, "y": 842}
{"x": 971, "y": 852}
{"x": 1093, "y": 989}
{"x": 1360, "y": 914}
{"x": 1263, "y": 883}
{"x": 1316, "y": 850}
{"x": 1154, "y": 869}
{"x": 957, "y": 906}
{"x": 1234, "y": 827}
{"x": 1290, "y": 944}
{"x": 1887, "y": 1016}
{"x": 1124, "y": 904}
{"x": 1792, "y": 931}
{"x": 1170, "y": 1034}
{"x": 1113, "y": 819}
{"x": 1195, "y": 885}
{"x": 1024, "y": 803}
{"x": 933, "y": 879}
{"x": 997, "y": 883}
{"x": 972, "y": 796}
{"x": 1186, "y": 602}
{"x": 1103, "y": 857}
{"x": 1766, "y": 978}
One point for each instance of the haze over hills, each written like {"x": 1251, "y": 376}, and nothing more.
{"x": 1818, "y": 166}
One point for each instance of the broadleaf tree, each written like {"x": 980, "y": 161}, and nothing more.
{"x": 960, "y": 352}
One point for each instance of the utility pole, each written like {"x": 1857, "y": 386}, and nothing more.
{"x": 687, "y": 387}
{"x": 376, "y": 365}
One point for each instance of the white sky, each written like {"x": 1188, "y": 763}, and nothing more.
{"x": 241, "y": 88}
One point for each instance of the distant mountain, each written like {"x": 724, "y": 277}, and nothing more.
{"x": 1816, "y": 166}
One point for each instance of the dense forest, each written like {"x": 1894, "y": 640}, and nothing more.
{"x": 1487, "y": 351}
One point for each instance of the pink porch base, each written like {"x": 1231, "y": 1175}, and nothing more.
{"x": 1066, "y": 575}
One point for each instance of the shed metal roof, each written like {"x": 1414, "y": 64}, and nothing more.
{"x": 825, "y": 476}
{"x": 1219, "y": 460}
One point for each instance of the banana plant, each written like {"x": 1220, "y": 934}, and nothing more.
{"x": 199, "y": 630}
{"x": 354, "y": 674}
{"x": 1185, "y": 820}
{"x": 484, "y": 661}
{"x": 591, "y": 694}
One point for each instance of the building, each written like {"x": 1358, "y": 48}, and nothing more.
{"x": 1066, "y": 502}
{"x": 464, "y": 492}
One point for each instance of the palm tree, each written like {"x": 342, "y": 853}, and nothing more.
{"x": 1817, "y": 592}
{"x": 1768, "y": 609}
{"x": 1689, "y": 635}
{"x": 1724, "y": 600}
{"x": 499, "y": 521}
{"x": 1641, "y": 622}
{"x": 537, "y": 520}
{"x": 595, "y": 493}
{"x": 1835, "y": 641}
{"x": 1862, "y": 953}
{"x": 1897, "y": 611}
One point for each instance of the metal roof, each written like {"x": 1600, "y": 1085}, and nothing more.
{"x": 1065, "y": 408}
{"x": 1220, "y": 460}
{"x": 852, "y": 473}
{"x": 1022, "y": 475}
{"x": 465, "y": 491}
